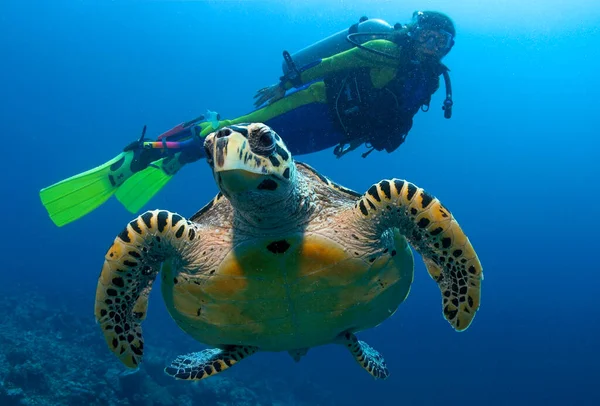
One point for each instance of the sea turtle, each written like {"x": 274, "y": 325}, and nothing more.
{"x": 282, "y": 259}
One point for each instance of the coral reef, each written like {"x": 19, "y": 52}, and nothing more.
{"x": 53, "y": 354}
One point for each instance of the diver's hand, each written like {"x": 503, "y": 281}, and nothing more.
{"x": 269, "y": 94}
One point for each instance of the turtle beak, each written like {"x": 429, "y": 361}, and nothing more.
{"x": 235, "y": 167}
{"x": 232, "y": 153}
{"x": 237, "y": 180}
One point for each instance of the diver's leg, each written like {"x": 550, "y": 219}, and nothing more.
{"x": 302, "y": 118}
{"x": 306, "y": 129}
{"x": 142, "y": 186}
{"x": 76, "y": 196}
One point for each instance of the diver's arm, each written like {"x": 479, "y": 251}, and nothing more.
{"x": 351, "y": 59}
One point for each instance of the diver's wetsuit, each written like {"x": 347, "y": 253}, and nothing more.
{"x": 355, "y": 97}
{"x": 352, "y": 95}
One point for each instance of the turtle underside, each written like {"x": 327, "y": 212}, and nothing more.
{"x": 297, "y": 291}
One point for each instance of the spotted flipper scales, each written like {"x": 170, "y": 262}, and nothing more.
{"x": 366, "y": 356}
{"x": 209, "y": 362}
{"x": 432, "y": 230}
{"x": 130, "y": 267}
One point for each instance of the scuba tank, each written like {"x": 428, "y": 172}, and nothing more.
{"x": 366, "y": 30}
{"x": 337, "y": 43}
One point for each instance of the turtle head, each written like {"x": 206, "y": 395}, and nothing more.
{"x": 250, "y": 163}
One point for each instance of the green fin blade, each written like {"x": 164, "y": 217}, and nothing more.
{"x": 141, "y": 187}
{"x": 73, "y": 198}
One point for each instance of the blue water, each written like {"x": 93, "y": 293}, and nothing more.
{"x": 518, "y": 165}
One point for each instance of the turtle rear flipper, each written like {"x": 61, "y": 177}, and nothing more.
{"x": 297, "y": 354}
{"x": 366, "y": 356}
{"x": 209, "y": 362}
{"x": 130, "y": 267}
{"x": 435, "y": 234}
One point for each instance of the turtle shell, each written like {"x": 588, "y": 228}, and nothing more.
{"x": 297, "y": 291}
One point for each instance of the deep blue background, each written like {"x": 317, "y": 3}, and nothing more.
{"x": 518, "y": 165}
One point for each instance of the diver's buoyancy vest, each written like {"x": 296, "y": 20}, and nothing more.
{"x": 357, "y": 107}
{"x": 382, "y": 116}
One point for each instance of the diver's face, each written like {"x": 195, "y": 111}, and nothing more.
{"x": 433, "y": 43}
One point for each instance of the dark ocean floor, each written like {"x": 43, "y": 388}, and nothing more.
{"x": 50, "y": 355}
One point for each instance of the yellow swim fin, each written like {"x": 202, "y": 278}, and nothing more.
{"x": 73, "y": 198}
{"x": 142, "y": 186}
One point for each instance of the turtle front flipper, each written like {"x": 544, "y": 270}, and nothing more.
{"x": 435, "y": 234}
{"x": 366, "y": 356}
{"x": 130, "y": 267}
{"x": 209, "y": 362}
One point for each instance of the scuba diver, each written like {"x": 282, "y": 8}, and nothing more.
{"x": 360, "y": 86}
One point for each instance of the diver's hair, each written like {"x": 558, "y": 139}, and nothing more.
{"x": 435, "y": 20}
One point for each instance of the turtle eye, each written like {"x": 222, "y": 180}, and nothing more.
{"x": 263, "y": 143}
{"x": 208, "y": 144}
{"x": 266, "y": 140}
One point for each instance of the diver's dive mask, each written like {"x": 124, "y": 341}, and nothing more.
{"x": 438, "y": 41}
{"x": 433, "y": 31}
